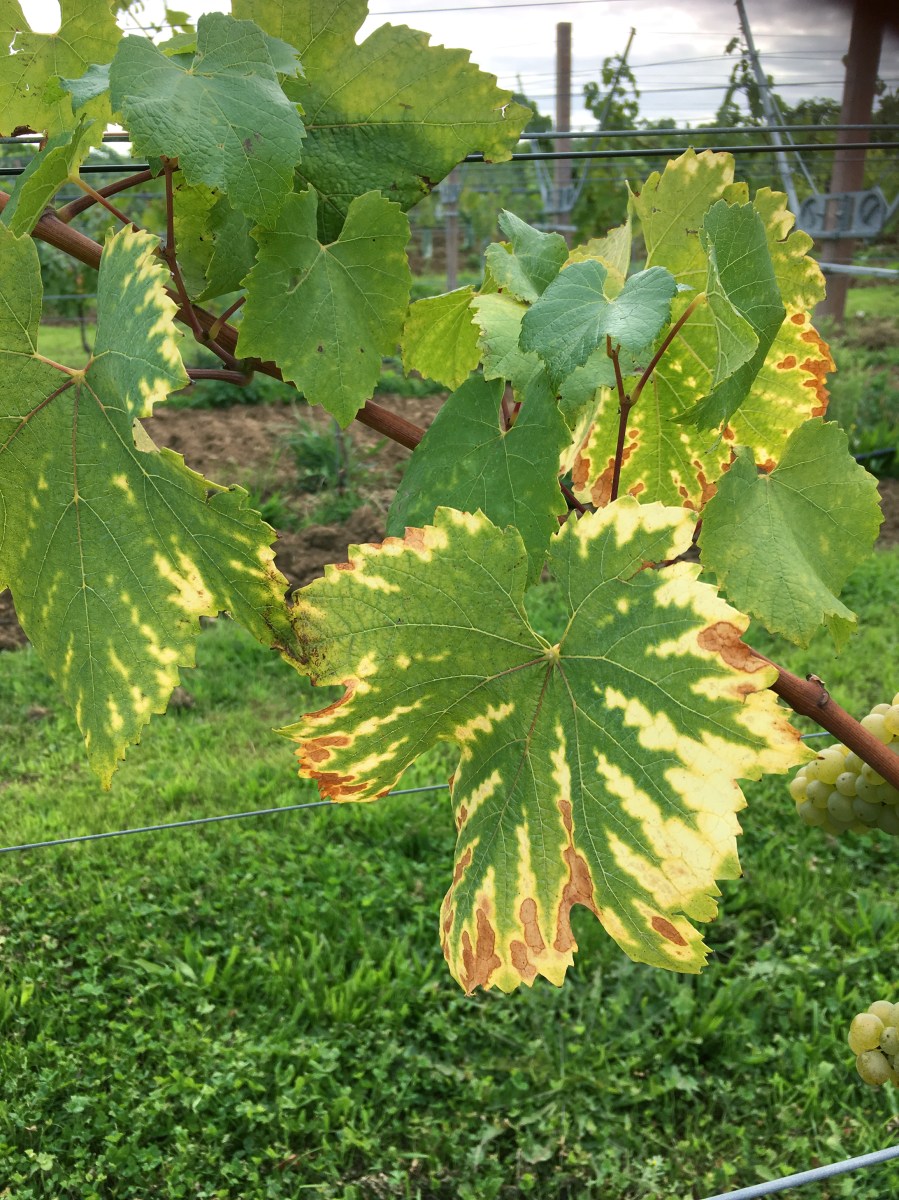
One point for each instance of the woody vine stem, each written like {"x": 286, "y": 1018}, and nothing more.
{"x": 807, "y": 697}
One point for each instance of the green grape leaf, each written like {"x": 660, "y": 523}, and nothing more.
{"x": 529, "y": 262}
{"x": 31, "y": 94}
{"x": 233, "y": 251}
{"x": 326, "y": 314}
{"x": 111, "y": 548}
{"x": 467, "y": 461}
{"x": 745, "y": 303}
{"x": 90, "y": 86}
{"x": 391, "y": 113}
{"x": 223, "y": 115}
{"x": 62, "y": 155}
{"x": 192, "y": 206}
{"x": 440, "y": 339}
{"x": 783, "y": 544}
{"x": 573, "y": 318}
{"x": 598, "y": 771}
{"x": 215, "y": 249}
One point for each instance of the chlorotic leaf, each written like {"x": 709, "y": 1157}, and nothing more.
{"x": 223, "y": 116}
{"x": 784, "y": 543}
{"x": 440, "y": 339}
{"x": 799, "y": 277}
{"x": 673, "y": 462}
{"x": 111, "y": 548}
{"x": 744, "y": 300}
{"x": 326, "y": 314}
{"x": 573, "y": 318}
{"x": 598, "y": 771}
{"x": 390, "y": 113}
{"x": 31, "y": 92}
{"x": 499, "y": 317}
{"x": 529, "y": 262}
{"x": 46, "y": 173}
{"x": 613, "y": 250}
{"x": 467, "y": 461}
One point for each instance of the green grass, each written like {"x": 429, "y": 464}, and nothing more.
{"x": 260, "y": 1009}
{"x": 879, "y": 300}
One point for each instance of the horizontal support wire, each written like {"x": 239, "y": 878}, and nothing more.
{"x": 544, "y": 155}
{"x": 814, "y": 1176}
{"x": 33, "y": 139}
{"x": 257, "y": 812}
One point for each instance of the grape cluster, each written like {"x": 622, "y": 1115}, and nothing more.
{"x": 874, "y": 1040}
{"x": 838, "y": 791}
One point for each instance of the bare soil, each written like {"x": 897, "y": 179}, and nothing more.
{"x": 247, "y": 446}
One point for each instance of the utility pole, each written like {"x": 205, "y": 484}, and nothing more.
{"x": 449, "y": 191}
{"x": 783, "y": 165}
{"x": 561, "y": 203}
{"x": 848, "y": 174}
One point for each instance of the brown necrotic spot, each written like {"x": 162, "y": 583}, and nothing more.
{"x": 818, "y": 368}
{"x": 481, "y": 960}
{"x": 580, "y": 473}
{"x": 578, "y": 890}
{"x": 518, "y": 952}
{"x": 350, "y": 685}
{"x": 345, "y": 566}
{"x": 532, "y": 935}
{"x": 724, "y": 639}
{"x": 798, "y": 318}
{"x": 667, "y": 930}
{"x": 787, "y": 364}
{"x": 461, "y": 816}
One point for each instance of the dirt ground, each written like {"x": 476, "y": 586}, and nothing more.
{"x": 246, "y": 445}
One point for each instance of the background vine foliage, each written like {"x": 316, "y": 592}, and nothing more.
{"x": 597, "y": 768}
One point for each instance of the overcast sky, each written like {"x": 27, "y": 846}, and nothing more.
{"x": 677, "y": 54}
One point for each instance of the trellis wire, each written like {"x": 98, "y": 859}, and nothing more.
{"x": 544, "y": 155}
{"x": 813, "y": 1176}
{"x": 256, "y": 812}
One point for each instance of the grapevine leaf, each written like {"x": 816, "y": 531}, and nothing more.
{"x": 326, "y": 314}
{"x": 46, "y": 173}
{"x": 215, "y": 249}
{"x": 599, "y": 771}
{"x": 675, "y": 463}
{"x": 744, "y": 300}
{"x": 499, "y": 318}
{"x": 223, "y": 115}
{"x": 613, "y": 251}
{"x": 31, "y": 94}
{"x": 233, "y": 251}
{"x": 784, "y": 543}
{"x": 799, "y": 277}
{"x": 573, "y": 317}
{"x": 283, "y": 56}
{"x": 529, "y": 262}
{"x": 113, "y": 549}
{"x": 467, "y": 461}
{"x": 90, "y": 86}
{"x": 391, "y": 113}
{"x": 440, "y": 339}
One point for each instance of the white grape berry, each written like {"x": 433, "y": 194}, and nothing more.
{"x": 881, "y": 709}
{"x": 840, "y": 807}
{"x": 845, "y": 783}
{"x": 876, "y": 726}
{"x": 871, "y": 775}
{"x": 797, "y": 788}
{"x": 889, "y": 1041}
{"x": 830, "y": 765}
{"x": 864, "y": 1032}
{"x": 882, "y": 1009}
{"x": 852, "y": 762}
{"x": 874, "y": 1068}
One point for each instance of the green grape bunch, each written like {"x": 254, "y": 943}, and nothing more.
{"x": 874, "y": 1040}
{"x": 838, "y": 790}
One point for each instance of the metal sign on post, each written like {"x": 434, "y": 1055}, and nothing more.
{"x": 835, "y": 215}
